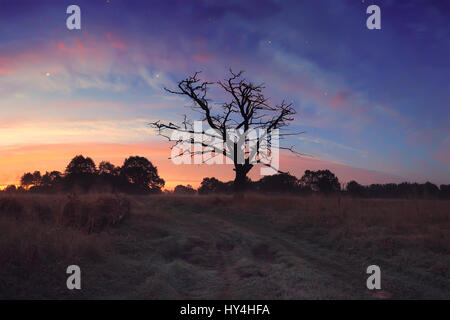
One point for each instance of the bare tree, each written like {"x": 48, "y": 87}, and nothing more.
{"x": 247, "y": 109}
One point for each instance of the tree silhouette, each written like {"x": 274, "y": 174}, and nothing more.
{"x": 107, "y": 168}
{"x": 429, "y": 190}
{"x": 323, "y": 181}
{"x": 80, "y": 173}
{"x": 51, "y": 178}
{"x": 212, "y": 185}
{"x": 355, "y": 189}
{"x": 109, "y": 177}
{"x": 282, "y": 182}
{"x": 37, "y": 178}
{"x": 27, "y": 180}
{"x": 80, "y": 165}
{"x": 10, "y": 188}
{"x": 31, "y": 179}
{"x": 444, "y": 191}
{"x": 142, "y": 175}
{"x": 180, "y": 189}
{"x": 247, "y": 108}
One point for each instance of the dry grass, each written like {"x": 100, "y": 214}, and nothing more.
{"x": 278, "y": 247}
{"x": 95, "y": 215}
{"x": 38, "y": 228}
{"x": 29, "y": 244}
{"x": 410, "y": 236}
{"x": 407, "y": 222}
{"x": 385, "y": 223}
{"x": 299, "y": 247}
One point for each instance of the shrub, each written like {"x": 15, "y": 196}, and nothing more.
{"x": 180, "y": 189}
{"x": 107, "y": 211}
{"x": 11, "y": 207}
{"x": 95, "y": 215}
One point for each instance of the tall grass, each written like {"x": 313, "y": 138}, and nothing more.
{"x": 192, "y": 246}
{"x": 36, "y": 229}
{"x": 383, "y": 224}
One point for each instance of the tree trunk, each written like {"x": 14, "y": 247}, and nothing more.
{"x": 240, "y": 180}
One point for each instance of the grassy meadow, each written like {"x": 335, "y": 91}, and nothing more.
{"x": 218, "y": 247}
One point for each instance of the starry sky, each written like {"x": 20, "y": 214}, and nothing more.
{"x": 374, "y": 103}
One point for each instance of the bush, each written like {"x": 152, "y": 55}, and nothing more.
{"x": 95, "y": 215}
{"x": 185, "y": 190}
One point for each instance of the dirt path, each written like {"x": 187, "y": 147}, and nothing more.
{"x": 264, "y": 245}
{"x": 270, "y": 240}
{"x": 253, "y": 260}
{"x": 196, "y": 254}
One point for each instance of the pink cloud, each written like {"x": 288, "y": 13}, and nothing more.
{"x": 76, "y": 48}
{"x": 203, "y": 57}
{"x": 7, "y": 65}
{"x": 443, "y": 156}
{"x": 10, "y": 63}
{"x": 84, "y": 48}
{"x": 297, "y": 166}
{"x": 342, "y": 99}
{"x": 116, "y": 41}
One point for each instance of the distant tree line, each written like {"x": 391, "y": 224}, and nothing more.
{"x": 322, "y": 182}
{"x": 401, "y": 190}
{"x": 136, "y": 175}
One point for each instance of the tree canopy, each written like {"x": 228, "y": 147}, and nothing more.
{"x": 137, "y": 174}
{"x": 246, "y": 108}
{"x": 141, "y": 174}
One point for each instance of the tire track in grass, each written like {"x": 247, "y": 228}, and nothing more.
{"x": 339, "y": 272}
{"x": 215, "y": 226}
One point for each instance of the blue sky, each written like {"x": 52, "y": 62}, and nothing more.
{"x": 368, "y": 99}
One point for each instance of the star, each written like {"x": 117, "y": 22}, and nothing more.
{"x": 269, "y": 42}
{"x": 47, "y": 74}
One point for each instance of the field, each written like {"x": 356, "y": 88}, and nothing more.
{"x": 217, "y": 247}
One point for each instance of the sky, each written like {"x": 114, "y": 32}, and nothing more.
{"x": 374, "y": 104}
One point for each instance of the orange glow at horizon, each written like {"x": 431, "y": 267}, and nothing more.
{"x": 14, "y": 162}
